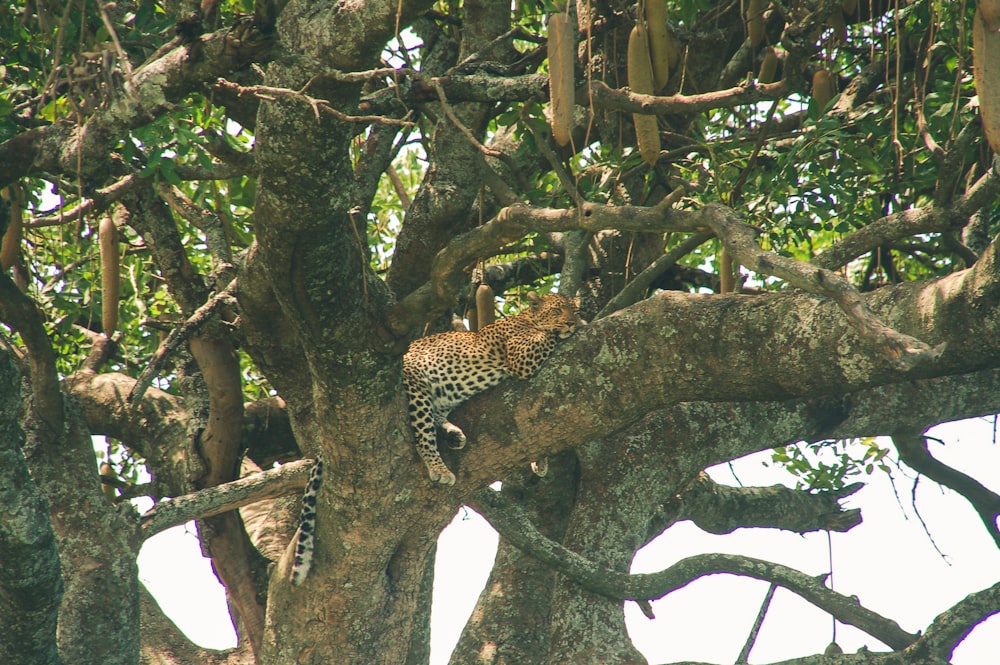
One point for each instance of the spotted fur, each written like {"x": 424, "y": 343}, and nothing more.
{"x": 307, "y": 526}
{"x": 442, "y": 371}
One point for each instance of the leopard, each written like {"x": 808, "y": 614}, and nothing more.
{"x": 443, "y": 370}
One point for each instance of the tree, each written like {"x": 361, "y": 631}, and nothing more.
{"x": 796, "y": 249}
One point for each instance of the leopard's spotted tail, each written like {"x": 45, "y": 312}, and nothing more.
{"x": 307, "y": 526}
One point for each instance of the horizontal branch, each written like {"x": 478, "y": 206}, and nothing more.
{"x": 102, "y": 198}
{"x": 225, "y": 497}
{"x": 597, "y": 95}
{"x": 447, "y": 273}
{"x": 515, "y": 527}
{"x": 318, "y": 105}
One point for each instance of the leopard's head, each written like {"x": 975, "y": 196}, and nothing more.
{"x": 554, "y": 312}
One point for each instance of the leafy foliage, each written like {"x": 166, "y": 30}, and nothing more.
{"x": 832, "y": 464}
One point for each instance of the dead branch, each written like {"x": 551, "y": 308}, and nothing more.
{"x": 225, "y": 497}
{"x": 912, "y": 449}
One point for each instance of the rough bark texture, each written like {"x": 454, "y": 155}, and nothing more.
{"x": 32, "y": 579}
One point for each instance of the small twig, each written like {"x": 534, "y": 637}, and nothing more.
{"x": 177, "y": 337}
{"x": 271, "y": 93}
{"x": 489, "y": 152}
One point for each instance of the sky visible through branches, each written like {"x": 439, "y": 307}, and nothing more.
{"x": 910, "y": 590}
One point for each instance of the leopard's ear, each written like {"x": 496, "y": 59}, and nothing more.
{"x": 533, "y": 298}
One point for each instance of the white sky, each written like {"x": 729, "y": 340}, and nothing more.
{"x": 887, "y": 561}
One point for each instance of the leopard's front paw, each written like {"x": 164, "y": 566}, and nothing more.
{"x": 441, "y": 475}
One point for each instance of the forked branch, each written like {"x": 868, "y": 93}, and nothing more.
{"x": 740, "y": 240}
{"x": 513, "y": 524}
{"x": 447, "y": 276}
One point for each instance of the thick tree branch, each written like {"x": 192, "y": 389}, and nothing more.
{"x": 455, "y": 175}
{"x": 31, "y": 585}
{"x": 223, "y": 498}
{"x": 219, "y": 442}
{"x": 163, "y": 643}
{"x": 740, "y": 240}
{"x": 513, "y": 525}
{"x": 954, "y": 624}
{"x": 505, "y": 439}
{"x": 156, "y": 428}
